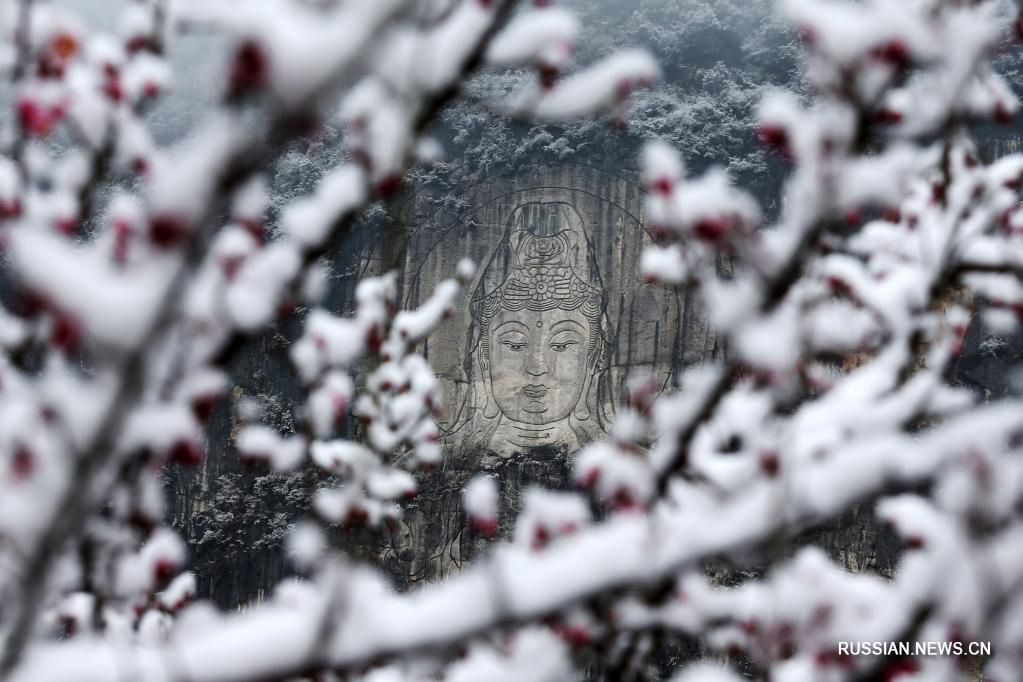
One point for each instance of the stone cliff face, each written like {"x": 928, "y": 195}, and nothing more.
{"x": 534, "y": 360}
{"x": 532, "y": 363}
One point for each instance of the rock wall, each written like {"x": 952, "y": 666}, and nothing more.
{"x": 556, "y": 246}
{"x": 532, "y": 362}
{"x": 535, "y": 357}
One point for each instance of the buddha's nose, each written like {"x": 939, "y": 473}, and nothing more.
{"x": 536, "y": 366}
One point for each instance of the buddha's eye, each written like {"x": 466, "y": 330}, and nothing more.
{"x": 562, "y": 346}
{"x": 514, "y": 346}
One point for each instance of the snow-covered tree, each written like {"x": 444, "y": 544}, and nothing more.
{"x": 123, "y": 309}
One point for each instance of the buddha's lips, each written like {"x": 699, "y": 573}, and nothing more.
{"x": 535, "y": 390}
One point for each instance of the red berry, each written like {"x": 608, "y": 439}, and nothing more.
{"x": 389, "y": 186}
{"x": 123, "y": 232}
{"x": 356, "y": 517}
{"x": 286, "y": 307}
{"x": 66, "y": 226}
{"x": 66, "y": 332}
{"x": 838, "y": 284}
{"x": 10, "y": 208}
{"x": 167, "y": 231}
{"x": 774, "y": 137}
{"x": 914, "y": 542}
{"x": 770, "y": 464}
{"x": 68, "y": 625}
{"x": 712, "y": 228}
{"x": 893, "y": 52}
{"x": 575, "y": 635}
{"x": 33, "y": 118}
{"x": 230, "y": 265}
{"x": 888, "y": 116}
{"x": 64, "y": 45}
{"x": 203, "y": 406}
{"x": 890, "y": 215}
{"x": 663, "y": 186}
{"x": 22, "y": 463}
{"x": 185, "y": 452}
{"x": 540, "y": 537}
{"x": 901, "y": 668}
{"x": 1003, "y": 114}
{"x": 137, "y": 44}
{"x": 114, "y": 90}
{"x": 623, "y": 88}
{"x": 250, "y": 67}
{"x": 548, "y": 75}
{"x": 32, "y": 302}
{"x": 590, "y": 478}
{"x": 339, "y": 404}
{"x": 164, "y": 569}
{"x": 623, "y": 500}
{"x": 485, "y": 526}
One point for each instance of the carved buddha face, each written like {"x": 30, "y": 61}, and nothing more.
{"x": 541, "y": 339}
{"x": 538, "y": 362}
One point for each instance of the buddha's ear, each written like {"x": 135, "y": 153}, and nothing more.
{"x": 490, "y": 409}
{"x": 582, "y": 408}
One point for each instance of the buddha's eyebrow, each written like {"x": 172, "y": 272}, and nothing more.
{"x": 554, "y": 327}
{"x": 525, "y": 329}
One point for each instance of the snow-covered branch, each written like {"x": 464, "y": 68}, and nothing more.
{"x": 893, "y": 232}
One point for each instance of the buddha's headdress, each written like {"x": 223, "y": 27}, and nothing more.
{"x": 544, "y": 273}
{"x": 547, "y": 268}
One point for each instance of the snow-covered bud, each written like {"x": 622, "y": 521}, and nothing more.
{"x": 232, "y": 247}
{"x": 38, "y": 118}
{"x": 481, "y": 504}
{"x": 260, "y": 443}
{"x": 145, "y": 77}
{"x": 178, "y": 593}
{"x": 328, "y": 403}
{"x": 662, "y": 167}
{"x": 619, "y": 478}
{"x": 545, "y": 37}
{"x": 778, "y": 120}
{"x": 202, "y": 390}
{"x": 161, "y": 557}
{"x": 465, "y": 270}
{"x": 306, "y": 544}
{"x": 601, "y": 87}
{"x": 664, "y": 265}
{"x": 547, "y": 515}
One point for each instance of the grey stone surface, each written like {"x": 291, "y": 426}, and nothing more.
{"x": 532, "y": 363}
{"x": 559, "y": 255}
{"x": 534, "y": 359}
